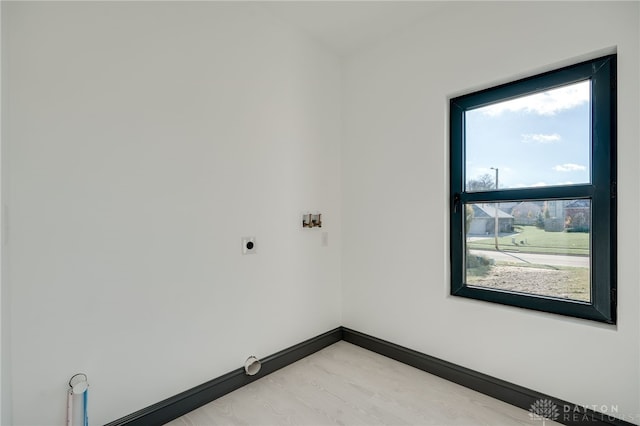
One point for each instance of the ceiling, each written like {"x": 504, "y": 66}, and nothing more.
{"x": 347, "y": 26}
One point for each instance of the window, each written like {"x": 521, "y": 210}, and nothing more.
{"x": 533, "y": 192}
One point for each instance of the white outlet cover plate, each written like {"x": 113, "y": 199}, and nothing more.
{"x": 248, "y": 245}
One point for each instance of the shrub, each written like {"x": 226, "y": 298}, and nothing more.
{"x": 578, "y": 229}
{"x": 476, "y": 261}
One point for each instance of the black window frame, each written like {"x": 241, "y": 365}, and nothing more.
{"x": 601, "y": 190}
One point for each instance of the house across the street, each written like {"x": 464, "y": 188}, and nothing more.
{"x": 483, "y": 222}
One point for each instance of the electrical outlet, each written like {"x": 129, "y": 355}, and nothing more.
{"x": 248, "y": 245}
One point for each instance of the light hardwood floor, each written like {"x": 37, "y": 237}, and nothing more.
{"x": 344, "y": 384}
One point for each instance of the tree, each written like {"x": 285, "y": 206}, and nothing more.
{"x": 468, "y": 217}
{"x": 482, "y": 183}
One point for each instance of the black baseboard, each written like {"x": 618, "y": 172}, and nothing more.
{"x": 569, "y": 414}
{"x": 179, "y": 405}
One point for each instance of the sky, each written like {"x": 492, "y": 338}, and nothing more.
{"x": 536, "y": 140}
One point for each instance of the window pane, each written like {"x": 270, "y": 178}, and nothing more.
{"x": 536, "y": 140}
{"x": 543, "y": 247}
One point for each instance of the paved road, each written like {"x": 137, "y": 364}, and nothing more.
{"x": 542, "y": 259}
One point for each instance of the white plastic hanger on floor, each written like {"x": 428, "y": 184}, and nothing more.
{"x": 78, "y": 385}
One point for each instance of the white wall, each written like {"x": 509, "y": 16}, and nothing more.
{"x": 5, "y": 366}
{"x": 395, "y": 196}
{"x": 145, "y": 139}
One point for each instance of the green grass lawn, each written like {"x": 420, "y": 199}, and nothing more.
{"x": 537, "y": 241}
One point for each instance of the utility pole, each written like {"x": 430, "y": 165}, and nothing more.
{"x": 497, "y": 205}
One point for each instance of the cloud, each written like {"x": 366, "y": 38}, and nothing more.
{"x": 569, "y": 167}
{"x": 540, "y": 138}
{"x": 548, "y": 102}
